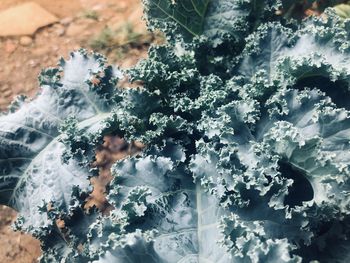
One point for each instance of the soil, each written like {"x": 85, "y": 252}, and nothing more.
{"x": 82, "y": 24}
{"x": 22, "y": 62}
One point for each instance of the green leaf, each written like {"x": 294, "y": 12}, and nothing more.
{"x": 32, "y": 173}
{"x": 263, "y": 49}
{"x": 176, "y": 208}
{"x": 192, "y": 18}
{"x": 188, "y": 14}
{"x": 161, "y": 215}
{"x": 246, "y": 120}
{"x": 316, "y": 55}
{"x": 286, "y": 172}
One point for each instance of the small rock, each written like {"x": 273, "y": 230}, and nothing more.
{"x": 4, "y": 87}
{"x": 33, "y": 63}
{"x": 66, "y": 21}
{"x": 10, "y": 47}
{"x": 25, "y": 41}
{"x": 59, "y": 30}
{"x": 75, "y": 29}
{"x": 24, "y": 19}
{"x": 98, "y": 7}
{"x": 7, "y": 93}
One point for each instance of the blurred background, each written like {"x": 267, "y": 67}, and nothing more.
{"x": 34, "y": 34}
{"x": 112, "y": 27}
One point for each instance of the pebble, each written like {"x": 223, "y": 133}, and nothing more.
{"x": 98, "y": 7}
{"x": 59, "y": 29}
{"x": 25, "y": 41}
{"x": 33, "y": 63}
{"x": 24, "y": 19}
{"x": 66, "y": 21}
{"x": 7, "y": 93}
{"x": 4, "y": 87}
{"x": 10, "y": 47}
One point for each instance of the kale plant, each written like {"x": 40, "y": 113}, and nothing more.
{"x": 245, "y": 115}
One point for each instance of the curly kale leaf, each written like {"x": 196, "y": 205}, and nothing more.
{"x": 166, "y": 217}
{"x": 33, "y": 171}
{"x": 316, "y": 55}
{"x": 245, "y": 117}
{"x": 216, "y": 20}
{"x": 287, "y": 172}
{"x": 153, "y": 193}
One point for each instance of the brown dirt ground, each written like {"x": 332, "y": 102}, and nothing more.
{"x": 81, "y": 22}
{"x": 20, "y": 65}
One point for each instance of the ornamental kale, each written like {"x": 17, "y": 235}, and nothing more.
{"x": 245, "y": 114}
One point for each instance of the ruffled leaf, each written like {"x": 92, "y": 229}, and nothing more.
{"x": 33, "y": 173}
